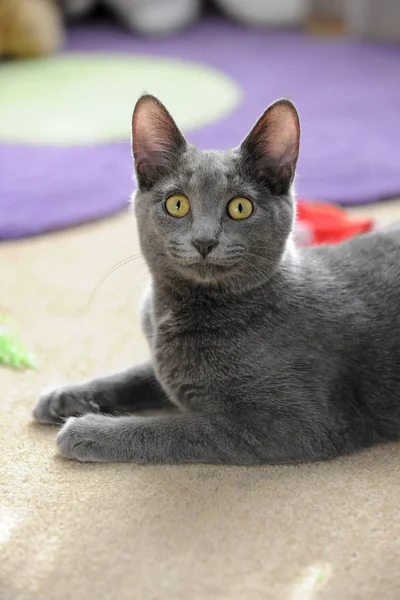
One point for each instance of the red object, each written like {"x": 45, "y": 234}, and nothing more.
{"x": 320, "y": 223}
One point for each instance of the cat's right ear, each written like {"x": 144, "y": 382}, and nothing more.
{"x": 156, "y": 141}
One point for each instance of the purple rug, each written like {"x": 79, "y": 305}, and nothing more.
{"x": 347, "y": 94}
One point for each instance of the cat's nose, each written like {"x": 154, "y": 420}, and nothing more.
{"x": 204, "y": 246}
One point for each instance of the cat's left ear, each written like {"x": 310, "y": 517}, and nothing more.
{"x": 271, "y": 149}
{"x": 156, "y": 141}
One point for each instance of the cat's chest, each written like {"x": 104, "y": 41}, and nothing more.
{"x": 190, "y": 362}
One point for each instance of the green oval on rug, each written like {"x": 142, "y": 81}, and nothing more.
{"x": 89, "y": 98}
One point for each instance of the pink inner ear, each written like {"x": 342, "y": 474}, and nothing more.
{"x": 276, "y": 135}
{"x": 148, "y": 129}
{"x": 145, "y": 135}
{"x": 283, "y": 135}
{"x": 156, "y": 140}
{"x": 153, "y": 130}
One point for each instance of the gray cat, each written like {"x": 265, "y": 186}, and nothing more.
{"x": 270, "y": 353}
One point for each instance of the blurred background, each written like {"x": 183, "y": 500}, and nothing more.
{"x": 72, "y": 70}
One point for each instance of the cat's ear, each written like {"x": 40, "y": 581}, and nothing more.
{"x": 156, "y": 141}
{"x": 271, "y": 148}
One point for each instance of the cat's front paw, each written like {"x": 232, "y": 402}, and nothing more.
{"x": 85, "y": 439}
{"x": 55, "y": 405}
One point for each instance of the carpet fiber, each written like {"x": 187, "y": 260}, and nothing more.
{"x": 72, "y": 531}
{"x": 65, "y": 155}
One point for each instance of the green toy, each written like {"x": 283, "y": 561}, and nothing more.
{"x": 12, "y": 351}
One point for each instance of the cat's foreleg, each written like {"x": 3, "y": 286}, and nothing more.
{"x": 186, "y": 438}
{"x": 131, "y": 390}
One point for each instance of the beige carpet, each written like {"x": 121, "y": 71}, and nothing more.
{"x": 328, "y": 531}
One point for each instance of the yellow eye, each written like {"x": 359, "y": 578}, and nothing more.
{"x": 240, "y": 208}
{"x": 177, "y": 206}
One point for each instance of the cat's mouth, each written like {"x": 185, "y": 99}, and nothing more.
{"x": 208, "y": 270}
{"x": 205, "y": 269}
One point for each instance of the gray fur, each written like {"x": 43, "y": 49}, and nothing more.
{"x": 271, "y": 354}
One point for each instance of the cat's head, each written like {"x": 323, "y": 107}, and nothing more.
{"x": 213, "y": 217}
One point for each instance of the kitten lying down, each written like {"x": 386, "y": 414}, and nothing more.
{"x": 272, "y": 354}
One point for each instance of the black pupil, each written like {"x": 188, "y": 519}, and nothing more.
{"x": 240, "y": 207}
{"x": 178, "y": 205}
